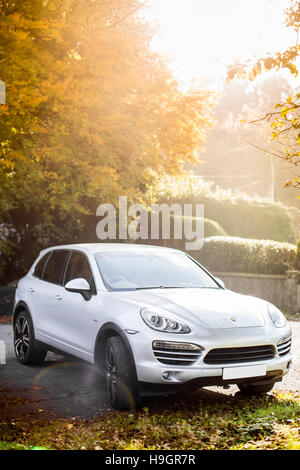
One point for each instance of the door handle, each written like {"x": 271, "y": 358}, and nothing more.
{"x": 58, "y": 297}
{"x": 31, "y": 289}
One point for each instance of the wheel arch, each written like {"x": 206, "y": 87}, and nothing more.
{"x": 37, "y": 351}
{"x": 19, "y": 307}
{"x": 106, "y": 331}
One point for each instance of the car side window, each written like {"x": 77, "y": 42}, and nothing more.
{"x": 55, "y": 266}
{"x": 39, "y": 269}
{"x": 79, "y": 266}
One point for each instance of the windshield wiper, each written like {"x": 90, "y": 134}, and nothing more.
{"x": 161, "y": 287}
{"x": 176, "y": 287}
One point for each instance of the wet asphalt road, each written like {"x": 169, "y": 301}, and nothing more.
{"x": 60, "y": 387}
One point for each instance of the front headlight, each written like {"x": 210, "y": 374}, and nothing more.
{"x": 276, "y": 316}
{"x": 161, "y": 322}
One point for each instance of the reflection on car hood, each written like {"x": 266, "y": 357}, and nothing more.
{"x": 210, "y": 308}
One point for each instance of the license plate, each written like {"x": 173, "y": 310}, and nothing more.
{"x": 243, "y": 372}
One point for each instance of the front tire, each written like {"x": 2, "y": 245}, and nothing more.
{"x": 27, "y": 350}
{"x": 121, "y": 384}
{"x": 255, "y": 389}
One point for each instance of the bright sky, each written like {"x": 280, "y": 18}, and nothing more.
{"x": 202, "y": 37}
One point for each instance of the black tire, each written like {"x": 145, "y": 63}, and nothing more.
{"x": 255, "y": 389}
{"x": 120, "y": 380}
{"x": 26, "y": 348}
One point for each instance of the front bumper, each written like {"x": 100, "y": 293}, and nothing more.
{"x": 275, "y": 370}
{"x": 151, "y": 371}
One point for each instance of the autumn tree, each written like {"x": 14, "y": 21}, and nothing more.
{"x": 285, "y": 118}
{"x": 91, "y": 113}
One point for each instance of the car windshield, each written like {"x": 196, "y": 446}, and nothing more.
{"x": 150, "y": 270}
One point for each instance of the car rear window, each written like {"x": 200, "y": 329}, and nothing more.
{"x": 39, "y": 269}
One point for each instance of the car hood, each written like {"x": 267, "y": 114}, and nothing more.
{"x": 208, "y": 308}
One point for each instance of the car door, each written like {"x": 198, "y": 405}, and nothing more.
{"x": 34, "y": 293}
{"x": 46, "y": 295}
{"x": 75, "y": 315}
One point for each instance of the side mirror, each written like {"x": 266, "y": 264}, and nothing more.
{"x": 219, "y": 281}
{"x": 81, "y": 286}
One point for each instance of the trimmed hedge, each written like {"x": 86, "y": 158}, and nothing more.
{"x": 252, "y": 219}
{"x": 242, "y": 255}
{"x": 211, "y": 228}
{"x": 238, "y": 214}
{"x": 247, "y": 218}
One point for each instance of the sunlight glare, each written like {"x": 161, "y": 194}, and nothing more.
{"x": 201, "y": 38}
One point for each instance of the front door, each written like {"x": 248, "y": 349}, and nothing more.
{"x": 75, "y": 315}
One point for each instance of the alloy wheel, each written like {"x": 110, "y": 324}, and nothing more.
{"x": 111, "y": 379}
{"x": 21, "y": 336}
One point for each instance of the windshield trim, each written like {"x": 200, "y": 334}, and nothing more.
{"x": 205, "y": 270}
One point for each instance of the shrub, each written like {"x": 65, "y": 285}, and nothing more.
{"x": 232, "y": 254}
{"x": 251, "y": 219}
{"x": 238, "y": 214}
{"x": 211, "y": 228}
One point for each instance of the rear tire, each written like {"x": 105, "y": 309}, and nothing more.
{"x": 26, "y": 348}
{"x": 121, "y": 383}
{"x": 255, "y": 389}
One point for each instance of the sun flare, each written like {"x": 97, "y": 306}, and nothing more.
{"x": 201, "y": 38}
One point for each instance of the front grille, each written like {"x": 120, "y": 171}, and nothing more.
{"x": 237, "y": 355}
{"x": 284, "y": 346}
{"x": 176, "y": 357}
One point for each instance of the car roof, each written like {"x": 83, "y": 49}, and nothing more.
{"x": 109, "y": 247}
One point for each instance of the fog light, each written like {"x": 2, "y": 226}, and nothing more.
{"x": 165, "y": 375}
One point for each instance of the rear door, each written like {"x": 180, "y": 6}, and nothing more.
{"x": 34, "y": 289}
{"x": 46, "y": 297}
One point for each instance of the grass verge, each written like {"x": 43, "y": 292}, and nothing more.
{"x": 268, "y": 422}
